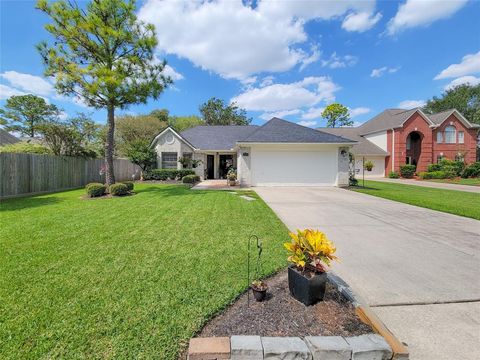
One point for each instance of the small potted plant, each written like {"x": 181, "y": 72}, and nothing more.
{"x": 310, "y": 253}
{"x": 259, "y": 289}
{"x": 232, "y": 177}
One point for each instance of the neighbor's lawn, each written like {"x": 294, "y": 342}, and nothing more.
{"x": 451, "y": 201}
{"x": 460, "y": 181}
{"x": 131, "y": 277}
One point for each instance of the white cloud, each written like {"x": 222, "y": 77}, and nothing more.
{"x": 278, "y": 97}
{"x": 336, "y": 61}
{"x": 28, "y": 83}
{"x": 312, "y": 58}
{"x": 411, "y": 104}
{"x": 470, "y": 80}
{"x": 307, "y": 123}
{"x": 308, "y": 10}
{"x": 236, "y": 40}
{"x": 379, "y": 72}
{"x": 470, "y": 64}
{"x": 313, "y": 113}
{"x": 7, "y": 91}
{"x": 279, "y": 114}
{"x": 267, "y": 80}
{"x": 422, "y": 12}
{"x": 170, "y": 71}
{"x": 361, "y": 21}
{"x": 359, "y": 111}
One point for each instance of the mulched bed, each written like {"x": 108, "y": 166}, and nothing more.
{"x": 282, "y": 315}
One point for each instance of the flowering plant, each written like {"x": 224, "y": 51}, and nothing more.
{"x": 310, "y": 249}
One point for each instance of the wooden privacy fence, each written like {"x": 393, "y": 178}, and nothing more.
{"x": 23, "y": 174}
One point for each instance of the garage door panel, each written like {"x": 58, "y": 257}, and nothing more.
{"x": 315, "y": 168}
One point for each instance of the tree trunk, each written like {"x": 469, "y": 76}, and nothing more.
{"x": 109, "y": 146}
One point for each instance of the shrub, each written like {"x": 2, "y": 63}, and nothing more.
{"x": 449, "y": 165}
{"x": 352, "y": 181}
{"x": 407, "y": 171}
{"x": 95, "y": 189}
{"x": 472, "y": 170}
{"x": 393, "y": 175}
{"x": 118, "y": 189}
{"x": 129, "y": 184}
{"x": 434, "y": 167}
{"x": 25, "y": 147}
{"x": 165, "y": 174}
{"x": 450, "y": 171}
{"x": 190, "y": 179}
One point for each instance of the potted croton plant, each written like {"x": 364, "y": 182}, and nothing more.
{"x": 311, "y": 252}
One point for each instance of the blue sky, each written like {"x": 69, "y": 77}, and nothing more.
{"x": 287, "y": 59}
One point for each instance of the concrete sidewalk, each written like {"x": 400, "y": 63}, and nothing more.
{"x": 407, "y": 262}
{"x": 429, "y": 184}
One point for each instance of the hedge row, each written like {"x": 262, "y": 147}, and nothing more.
{"x": 166, "y": 174}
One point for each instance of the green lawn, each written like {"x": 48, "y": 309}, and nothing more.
{"x": 131, "y": 277}
{"x": 451, "y": 201}
{"x": 460, "y": 181}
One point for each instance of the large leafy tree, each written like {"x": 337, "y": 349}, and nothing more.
{"x": 337, "y": 115}
{"x": 181, "y": 123}
{"x": 464, "y": 98}
{"x": 134, "y": 128}
{"x": 25, "y": 113}
{"x": 74, "y": 137}
{"x": 216, "y": 112}
{"x": 103, "y": 55}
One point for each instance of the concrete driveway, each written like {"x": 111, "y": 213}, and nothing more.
{"x": 419, "y": 268}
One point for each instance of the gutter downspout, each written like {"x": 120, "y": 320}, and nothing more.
{"x": 393, "y": 149}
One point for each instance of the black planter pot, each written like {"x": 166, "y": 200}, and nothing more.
{"x": 259, "y": 295}
{"x": 308, "y": 290}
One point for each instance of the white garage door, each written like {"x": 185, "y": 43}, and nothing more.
{"x": 294, "y": 168}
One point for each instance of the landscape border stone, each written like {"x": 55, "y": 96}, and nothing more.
{"x": 381, "y": 346}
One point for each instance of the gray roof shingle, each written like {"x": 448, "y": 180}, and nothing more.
{"x": 363, "y": 147}
{"x": 387, "y": 119}
{"x": 281, "y": 131}
{"x": 216, "y": 137}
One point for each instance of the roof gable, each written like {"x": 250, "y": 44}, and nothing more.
{"x": 281, "y": 131}
{"x": 172, "y": 130}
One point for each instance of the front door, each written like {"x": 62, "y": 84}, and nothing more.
{"x": 226, "y": 162}
{"x": 210, "y": 167}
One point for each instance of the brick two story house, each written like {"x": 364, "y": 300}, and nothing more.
{"x": 396, "y": 137}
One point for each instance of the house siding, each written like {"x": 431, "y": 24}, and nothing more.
{"x": 430, "y": 149}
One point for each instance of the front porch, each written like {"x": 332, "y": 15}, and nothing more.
{"x": 217, "y": 164}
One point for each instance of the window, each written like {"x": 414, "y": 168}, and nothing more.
{"x": 439, "y": 137}
{"x": 169, "y": 160}
{"x": 450, "y": 135}
{"x": 409, "y": 142}
{"x": 461, "y": 137}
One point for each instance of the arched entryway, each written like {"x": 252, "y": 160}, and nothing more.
{"x": 414, "y": 148}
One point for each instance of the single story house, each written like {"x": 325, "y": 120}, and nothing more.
{"x": 278, "y": 153}
{"x": 396, "y": 137}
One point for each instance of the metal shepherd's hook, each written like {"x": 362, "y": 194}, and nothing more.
{"x": 259, "y": 247}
